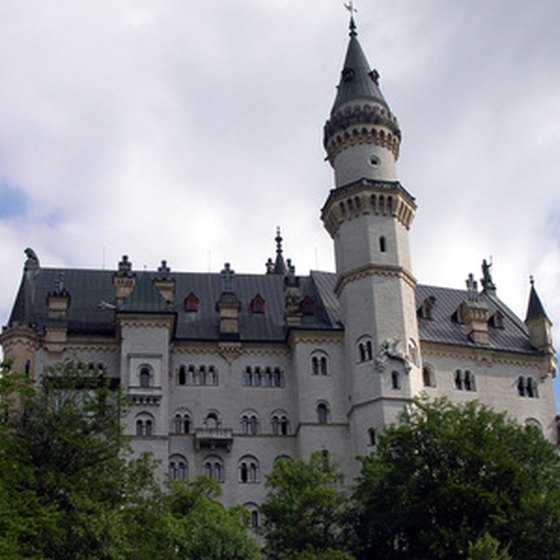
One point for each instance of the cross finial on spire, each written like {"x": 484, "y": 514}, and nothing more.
{"x": 278, "y": 240}
{"x": 532, "y": 280}
{"x": 350, "y": 7}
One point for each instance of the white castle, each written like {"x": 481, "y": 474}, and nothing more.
{"x": 227, "y": 372}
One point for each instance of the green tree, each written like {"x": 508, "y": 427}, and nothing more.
{"x": 67, "y": 476}
{"x": 194, "y": 526}
{"x": 448, "y": 474}
{"x": 70, "y": 489}
{"x": 487, "y": 548}
{"x": 305, "y": 509}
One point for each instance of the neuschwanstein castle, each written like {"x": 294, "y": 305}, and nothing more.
{"x": 227, "y": 372}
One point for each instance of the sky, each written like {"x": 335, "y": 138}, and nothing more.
{"x": 187, "y": 131}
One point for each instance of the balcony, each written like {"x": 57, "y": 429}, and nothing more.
{"x": 213, "y": 438}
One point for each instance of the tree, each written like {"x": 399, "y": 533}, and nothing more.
{"x": 67, "y": 476}
{"x": 194, "y": 526}
{"x": 449, "y": 474}
{"x": 304, "y": 512}
{"x": 70, "y": 489}
{"x": 487, "y": 548}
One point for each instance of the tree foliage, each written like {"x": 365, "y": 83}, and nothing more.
{"x": 449, "y": 474}
{"x": 305, "y": 510}
{"x": 70, "y": 489}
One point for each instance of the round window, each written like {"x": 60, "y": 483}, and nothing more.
{"x": 374, "y": 161}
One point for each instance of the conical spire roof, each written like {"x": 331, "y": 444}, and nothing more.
{"x": 358, "y": 80}
{"x": 535, "y": 309}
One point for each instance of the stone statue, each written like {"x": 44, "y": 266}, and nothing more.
{"x": 486, "y": 280}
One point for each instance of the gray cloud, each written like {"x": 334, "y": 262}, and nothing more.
{"x": 189, "y": 131}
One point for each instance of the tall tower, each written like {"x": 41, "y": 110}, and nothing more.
{"x": 368, "y": 215}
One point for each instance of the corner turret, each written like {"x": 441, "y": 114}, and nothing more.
{"x": 539, "y": 325}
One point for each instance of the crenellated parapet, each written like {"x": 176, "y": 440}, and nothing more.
{"x": 366, "y": 196}
{"x": 361, "y": 124}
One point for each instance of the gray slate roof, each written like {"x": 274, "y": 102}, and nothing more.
{"x": 356, "y": 81}
{"x": 88, "y": 290}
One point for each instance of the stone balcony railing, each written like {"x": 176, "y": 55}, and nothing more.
{"x": 213, "y": 438}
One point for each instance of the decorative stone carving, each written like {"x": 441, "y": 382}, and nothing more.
{"x": 390, "y": 349}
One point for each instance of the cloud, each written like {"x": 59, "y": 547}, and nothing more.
{"x": 189, "y": 132}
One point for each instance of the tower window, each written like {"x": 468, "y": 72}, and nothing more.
{"x": 374, "y": 161}
{"x": 145, "y": 377}
{"x": 395, "y": 380}
{"x": 322, "y": 413}
{"x": 383, "y": 244}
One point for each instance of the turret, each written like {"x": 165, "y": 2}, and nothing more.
{"x": 538, "y": 323}
{"x": 368, "y": 215}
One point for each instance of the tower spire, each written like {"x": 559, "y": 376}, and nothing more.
{"x": 279, "y": 265}
{"x": 352, "y": 10}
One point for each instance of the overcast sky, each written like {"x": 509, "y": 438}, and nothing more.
{"x": 187, "y": 131}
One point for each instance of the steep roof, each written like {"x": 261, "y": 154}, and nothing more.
{"x": 535, "y": 309}
{"x": 92, "y": 290}
{"x": 357, "y": 80}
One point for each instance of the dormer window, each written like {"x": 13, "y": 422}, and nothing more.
{"x": 348, "y": 74}
{"x": 426, "y": 309}
{"x": 192, "y": 303}
{"x": 497, "y": 320}
{"x": 460, "y": 314}
{"x": 258, "y": 305}
{"x": 307, "y": 306}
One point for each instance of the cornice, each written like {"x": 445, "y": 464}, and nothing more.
{"x": 374, "y": 270}
{"x": 368, "y": 196}
{"x": 315, "y": 337}
{"x": 480, "y": 355}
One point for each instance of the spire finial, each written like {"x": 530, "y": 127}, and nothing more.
{"x": 350, "y": 7}
{"x": 532, "y": 280}
{"x": 278, "y": 240}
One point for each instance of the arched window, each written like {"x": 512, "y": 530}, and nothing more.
{"x": 469, "y": 381}
{"x": 428, "y": 376}
{"x": 144, "y": 377}
{"x": 277, "y": 378}
{"x": 531, "y": 388}
{"x": 212, "y": 377}
{"x": 249, "y": 470}
{"x": 257, "y": 379}
{"x": 254, "y": 519}
{"x": 248, "y": 377}
{"x": 214, "y": 469}
{"x": 212, "y": 421}
{"x": 255, "y": 524}
{"x": 182, "y": 376}
{"x": 279, "y": 423}
{"x": 322, "y": 413}
{"x": 202, "y": 375}
{"x": 395, "y": 380}
{"x": 319, "y": 363}
{"x": 365, "y": 353}
{"x": 459, "y": 379}
{"x": 268, "y": 377}
{"x": 178, "y": 469}
{"x": 182, "y": 423}
{"x": 144, "y": 425}
{"x": 372, "y": 436}
{"x": 534, "y": 423}
{"x": 250, "y": 424}
{"x": 521, "y": 386}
